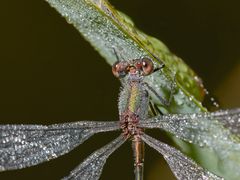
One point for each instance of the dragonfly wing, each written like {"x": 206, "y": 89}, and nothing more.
{"x": 230, "y": 118}
{"x": 91, "y": 167}
{"x": 27, "y": 145}
{"x": 182, "y": 167}
{"x": 203, "y": 128}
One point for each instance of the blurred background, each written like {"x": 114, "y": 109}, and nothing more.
{"x": 50, "y": 74}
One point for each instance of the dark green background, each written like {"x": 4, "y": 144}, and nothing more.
{"x": 50, "y": 74}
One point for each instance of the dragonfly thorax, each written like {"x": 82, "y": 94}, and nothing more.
{"x": 133, "y": 107}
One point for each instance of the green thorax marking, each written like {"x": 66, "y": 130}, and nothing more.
{"x": 135, "y": 97}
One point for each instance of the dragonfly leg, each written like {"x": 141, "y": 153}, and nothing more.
{"x": 161, "y": 99}
{"x": 154, "y": 109}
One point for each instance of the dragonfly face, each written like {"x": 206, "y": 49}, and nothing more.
{"x": 134, "y": 69}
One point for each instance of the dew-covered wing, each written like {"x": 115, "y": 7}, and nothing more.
{"x": 205, "y": 129}
{"x": 182, "y": 167}
{"x": 91, "y": 167}
{"x": 230, "y": 118}
{"x": 27, "y": 145}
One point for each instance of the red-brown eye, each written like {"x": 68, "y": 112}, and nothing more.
{"x": 147, "y": 66}
{"x": 119, "y": 69}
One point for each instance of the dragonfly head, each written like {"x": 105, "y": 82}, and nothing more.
{"x": 133, "y": 68}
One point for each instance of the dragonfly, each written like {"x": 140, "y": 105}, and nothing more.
{"x": 22, "y": 146}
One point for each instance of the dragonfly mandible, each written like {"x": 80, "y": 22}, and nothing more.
{"x": 23, "y": 146}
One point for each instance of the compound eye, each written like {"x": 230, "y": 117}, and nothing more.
{"x": 147, "y": 66}
{"x": 119, "y": 69}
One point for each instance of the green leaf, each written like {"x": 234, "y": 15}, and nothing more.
{"x": 107, "y": 29}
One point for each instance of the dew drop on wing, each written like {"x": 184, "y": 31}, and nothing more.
{"x": 182, "y": 167}
{"x": 204, "y": 129}
{"x": 28, "y": 145}
{"x": 91, "y": 167}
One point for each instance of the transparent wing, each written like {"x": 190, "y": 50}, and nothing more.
{"x": 182, "y": 167}
{"x": 91, "y": 167}
{"x": 230, "y": 118}
{"x": 27, "y": 145}
{"x": 202, "y": 129}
